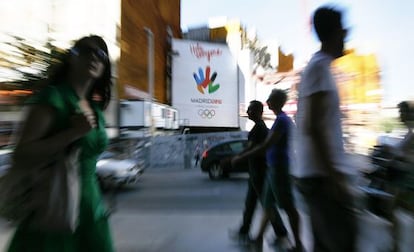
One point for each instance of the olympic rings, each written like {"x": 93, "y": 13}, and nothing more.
{"x": 206, "y": 113}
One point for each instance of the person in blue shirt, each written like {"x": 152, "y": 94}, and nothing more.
{"x": 277, "y": 189}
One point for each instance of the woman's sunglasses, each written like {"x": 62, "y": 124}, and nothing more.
{"x": 88, "y": 50}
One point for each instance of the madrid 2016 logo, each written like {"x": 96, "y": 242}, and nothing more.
{"x": 205, "y": 81}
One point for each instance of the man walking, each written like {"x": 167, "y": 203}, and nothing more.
{"x": 321, "y": 170}
{"x": 257, "y": 170}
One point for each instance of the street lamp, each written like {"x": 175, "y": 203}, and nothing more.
{"x": 150, "y": 47}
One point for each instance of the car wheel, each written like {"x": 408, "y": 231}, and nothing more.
{"x": 215, "y": 171}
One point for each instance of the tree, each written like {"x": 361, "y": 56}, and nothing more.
{"x": 260, "y": 53}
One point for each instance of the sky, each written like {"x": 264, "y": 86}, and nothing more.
{"x": 383, "y": 27}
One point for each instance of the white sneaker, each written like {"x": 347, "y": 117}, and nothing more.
{"x": 241, "y": 238}
{"x": 281, "y": 243}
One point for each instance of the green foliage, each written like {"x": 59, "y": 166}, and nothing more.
{"x": 261, "y": 55}
{"x": 28, "y": 62}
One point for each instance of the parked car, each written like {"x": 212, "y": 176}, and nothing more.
{"x": 113, "y": 171}
{"x": 216, "y": 159}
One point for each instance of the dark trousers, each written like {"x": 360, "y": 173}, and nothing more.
{"x": 254, "y": 192}
{"x": 250, "y": 202}
{"x": 333, "y": 221}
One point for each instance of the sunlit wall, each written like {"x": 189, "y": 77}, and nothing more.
{"x": 359, "y": 79}
{"x": 162, "y": 18}
{"x": 58, "y": 22}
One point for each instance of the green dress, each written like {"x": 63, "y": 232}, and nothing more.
{"x": 93, "y": 232}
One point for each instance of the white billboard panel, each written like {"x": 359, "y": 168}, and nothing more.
{"x": 204, "y": 84}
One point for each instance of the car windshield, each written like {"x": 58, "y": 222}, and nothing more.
{"x": 233, "y": 147}
{"x": 237, "y": 147}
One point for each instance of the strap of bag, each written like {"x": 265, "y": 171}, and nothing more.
{"x": 112, "y": 201}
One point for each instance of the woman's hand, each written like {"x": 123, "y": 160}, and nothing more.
{"x": 82, "y": 124}
{"x": 86, "y": 109}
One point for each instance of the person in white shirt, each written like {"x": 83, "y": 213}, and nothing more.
{"x": 320, "y": 173}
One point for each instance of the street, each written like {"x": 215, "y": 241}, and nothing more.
{"x": 174, "y": 210}
{"x": 181, "y": 210}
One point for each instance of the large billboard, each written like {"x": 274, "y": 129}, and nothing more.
{"x": 204, "y": 84}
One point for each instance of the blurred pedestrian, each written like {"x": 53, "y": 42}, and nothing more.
{"x": 69, "y": 110}
{"x": 257, "y": 169}
{"x": 205, "y": 145}
{"x": 197, "y": 155}
{"x": 322, "y": 173}
{"x": 277, "y": 190}
{"x": 401, "y": 156}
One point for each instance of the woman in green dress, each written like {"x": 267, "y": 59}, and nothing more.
{"x": 69, "y": 111}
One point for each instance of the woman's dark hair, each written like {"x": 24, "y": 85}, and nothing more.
{"x": 102, "y": 86}
{"x": 327, "y": 21}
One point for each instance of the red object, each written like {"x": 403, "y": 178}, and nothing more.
{"x": 205, "y": 153}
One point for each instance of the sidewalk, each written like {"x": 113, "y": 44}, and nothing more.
{"x": 208, "y": 232}
{"x": 174, "y": 232}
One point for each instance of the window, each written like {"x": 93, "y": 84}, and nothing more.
{"x": 237, "y": 147}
